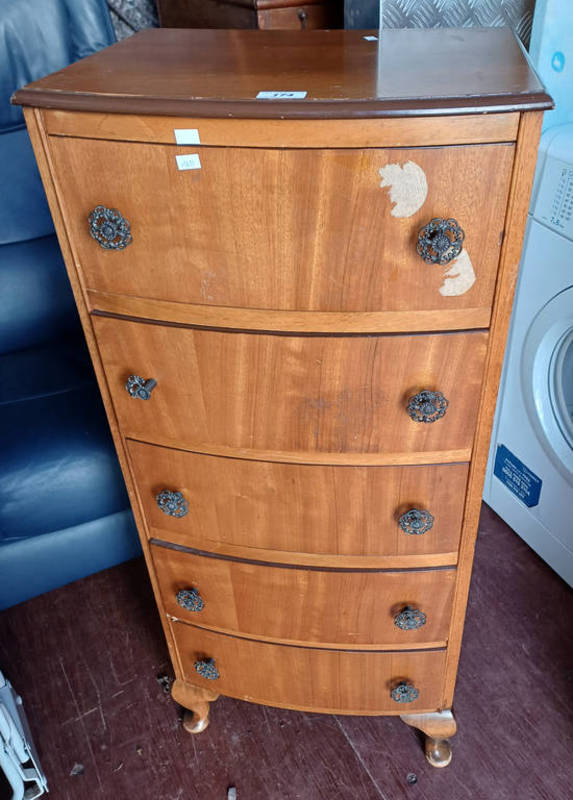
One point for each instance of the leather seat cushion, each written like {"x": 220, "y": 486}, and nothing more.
{"x": 24, "y": 212}
{"x": 59, "y": 467}
{"x": 36, "y": 300}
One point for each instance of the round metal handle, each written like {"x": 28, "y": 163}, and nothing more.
{"x": 427, "y": 406}
{"x": 410, "y": 619}
{"x": 416, "y": 521}
{"x": 190, "y": 600}
{"x": 206, "y": 669}
{"x": 404, "y": 693}
{"x": 440, "y": 241}
{"x": 172, "y": 503}
{"x": 109, "y": 228}
{"x": 139, "y": 387}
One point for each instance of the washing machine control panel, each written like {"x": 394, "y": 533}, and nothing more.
{"x": 554, "y": 202}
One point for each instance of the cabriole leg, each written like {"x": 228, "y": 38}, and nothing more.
{"x": 439, "y": 727}
{"x": 196, "y": 699}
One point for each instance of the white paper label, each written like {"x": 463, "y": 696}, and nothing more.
{"x": 281, "y": 95}
{"x": 370, "y": 38}
{"x": 188, "y": 161}
{"x": 186, "y": 136}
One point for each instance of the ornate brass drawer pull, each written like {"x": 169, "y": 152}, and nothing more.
{"x": 139, "y": 387}
{"x": 404, "y": 693}
{"x": 109, "y": 228}
{"x": 410, "y": 619}
{"x": 416, "y": 521}
{"x": 190, "y": 600}
{"x": 172, "y": 503}
{"x": 206, "y": 669}
{"x": 440, "y": 241}
{"x": 427, "y": 406}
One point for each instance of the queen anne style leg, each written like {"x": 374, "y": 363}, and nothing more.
{"x": 438, "y": 726}
{"x": 196, "y": 700}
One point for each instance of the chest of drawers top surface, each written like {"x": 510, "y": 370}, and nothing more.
{"x": 214, "y": 73}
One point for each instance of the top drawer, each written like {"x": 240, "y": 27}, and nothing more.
{"x": 289, "y": 229}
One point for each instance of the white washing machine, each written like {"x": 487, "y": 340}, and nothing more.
{"x": 529, "y": 479}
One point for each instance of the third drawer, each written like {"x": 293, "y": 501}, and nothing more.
{"x": 317, "y": 607}
{"x": 407, "y": 516}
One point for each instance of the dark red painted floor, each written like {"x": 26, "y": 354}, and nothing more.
{"x": 87, "y": 657}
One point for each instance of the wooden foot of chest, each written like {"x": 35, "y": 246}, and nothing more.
{"x": 438, "y": 727}
{"x": 196, "y": 700}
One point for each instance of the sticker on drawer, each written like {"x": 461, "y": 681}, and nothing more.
{"x": 186, "y": 136}
{"x": 281, "y": 95}
{"x": 518, "y": 478}
{"x": 188, "y": 161}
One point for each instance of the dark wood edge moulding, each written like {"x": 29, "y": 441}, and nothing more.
{"x": 259, "y": 562}
{"x": 285, "y": 109}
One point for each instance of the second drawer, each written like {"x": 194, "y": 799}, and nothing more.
{"x": 285, "y": 397}
{"x": 317, "y": 607}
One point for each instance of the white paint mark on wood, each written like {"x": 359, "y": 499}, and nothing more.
{"x": 459, "y": 277}
{"x": 408, "y": 187}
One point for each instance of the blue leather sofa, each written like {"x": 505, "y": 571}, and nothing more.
{"x": 63, "y": 506}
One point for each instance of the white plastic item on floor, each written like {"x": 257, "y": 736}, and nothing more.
{"x": 18, "y": 758}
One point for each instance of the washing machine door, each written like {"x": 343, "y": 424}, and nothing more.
{"x": 547, "y": 379}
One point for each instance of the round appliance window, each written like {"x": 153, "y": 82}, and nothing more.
{"x": 547, "y": 379}
{"x": 561, "y": 385}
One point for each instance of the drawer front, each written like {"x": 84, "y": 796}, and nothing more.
{"x": 296, "y": 18}
{"x": 312, "y": 679}
{"x": 272, "y": 394}
{"x": 259, "y": 506}
{"x": 317, "y": 607}
{"x": 288, "y": 228}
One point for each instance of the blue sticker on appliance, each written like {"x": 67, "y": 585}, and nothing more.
{"x": 518, "y": 478}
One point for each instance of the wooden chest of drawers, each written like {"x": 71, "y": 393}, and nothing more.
{"x": 264, "y": 14}
{"x": 297, "y": 308}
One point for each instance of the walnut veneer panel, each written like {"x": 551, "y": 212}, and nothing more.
{"x": 333, "y": 608}
{"x": 289, "y": 229}
{"x": 276, "y": 511}
{"x": 287, "y": 394}
{"x": 334, "y": 681}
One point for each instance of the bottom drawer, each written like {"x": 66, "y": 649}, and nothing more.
{"x": 331, "y": 681}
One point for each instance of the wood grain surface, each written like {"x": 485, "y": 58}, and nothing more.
{"x": 335, "y": 681}
{"x": 264, "y": 320}
{"x": 292, "y": 394}
{"x": 275, "y": 511}
{"x": 219, "y": 73}
{"x": 284, "y": 229}
{"x": 335, "y": 608}
{"x": 340, "y": 133}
